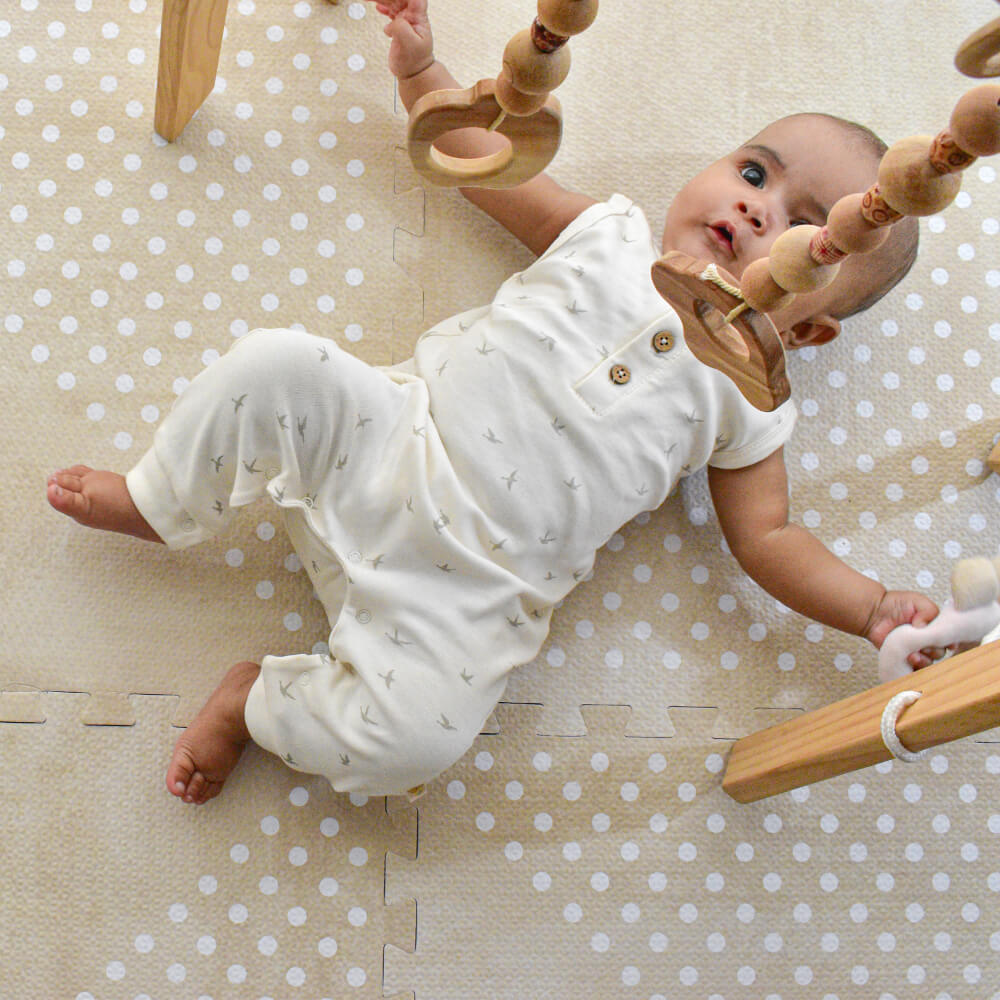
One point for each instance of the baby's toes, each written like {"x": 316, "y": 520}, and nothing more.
{"x": 66, "y": 497}
{"x": 196, "y": 787}
{"x": 179, "y": 775}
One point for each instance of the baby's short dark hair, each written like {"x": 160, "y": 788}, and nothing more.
{"x": 892, "y": 261}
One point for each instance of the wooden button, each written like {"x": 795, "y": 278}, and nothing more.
{"x": 619, "y": 374}
{"x": 662, "y": 341}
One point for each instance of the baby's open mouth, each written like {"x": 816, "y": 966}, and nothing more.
{"x": 724, "y": 236}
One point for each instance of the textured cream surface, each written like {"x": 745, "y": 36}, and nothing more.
{"x": 601, "y": 857}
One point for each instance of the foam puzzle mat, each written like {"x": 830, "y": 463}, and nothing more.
{"x": 584, "y": 845}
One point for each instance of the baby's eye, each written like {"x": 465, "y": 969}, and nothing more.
{"x": 753, "y": 173}
{"x": 799, "y": 222}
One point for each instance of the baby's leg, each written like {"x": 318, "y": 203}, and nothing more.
{"x": 209, "y": 749}
{"x": 98, "y": 500}
{"x": 243, "y": 423}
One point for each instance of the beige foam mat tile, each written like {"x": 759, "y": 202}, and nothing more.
{"x": 128, "y": 265}
{"x": 113, "y": 889}
{"x": 607, "y": 866}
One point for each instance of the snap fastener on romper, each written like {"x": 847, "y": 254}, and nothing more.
{"x": 662, "y": 341}
{"x": 619, "y": 374}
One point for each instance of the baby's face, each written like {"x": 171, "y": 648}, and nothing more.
{"x": 791, "y": 173}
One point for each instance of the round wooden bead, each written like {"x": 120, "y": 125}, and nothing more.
{"x": 514, "y": 101}
{"x": 531, "y": 71}
{"x": 792, "y": 267}
{"x": 567, "y": 17}
{"x": 760, "y": 290}
{"x": 849, "y": 229}
{"x": 974, "y": 583}
{"x": 975, "y": 122}
{"x": 910, "y": 184}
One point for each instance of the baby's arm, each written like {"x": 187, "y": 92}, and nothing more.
{"x": 537, "y": 211}
{"x": 795, "y": 567}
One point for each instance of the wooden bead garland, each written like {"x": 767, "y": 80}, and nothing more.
{"x": 917, "y": 176}
{"x": 536, "y": 60}
{"x": 727, "y": 328}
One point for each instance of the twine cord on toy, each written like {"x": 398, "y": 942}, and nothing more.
{"x": 890, "y": 717}
{"x": 498, "y": 122}
{"x": 711, "y": 273}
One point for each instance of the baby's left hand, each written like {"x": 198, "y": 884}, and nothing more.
{"x": 905, "y": 607}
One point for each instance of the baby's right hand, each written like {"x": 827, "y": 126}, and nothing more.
{"x": 412, "y": 49}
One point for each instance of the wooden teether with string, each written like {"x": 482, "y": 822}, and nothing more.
{"x": 722, "y": 319}
{"x": 516, "y": 105}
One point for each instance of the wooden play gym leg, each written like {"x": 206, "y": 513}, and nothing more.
{"x": 190, "y": 39}
{"x": 960, "y": 696}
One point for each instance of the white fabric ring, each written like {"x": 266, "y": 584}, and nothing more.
{"x": 890, "y": 717}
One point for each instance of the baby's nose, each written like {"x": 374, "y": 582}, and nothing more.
{"x": 752, "y": 214}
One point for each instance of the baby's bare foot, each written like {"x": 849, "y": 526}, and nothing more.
{"x": 211, "y": 746}
{"x": 98, "y": 500}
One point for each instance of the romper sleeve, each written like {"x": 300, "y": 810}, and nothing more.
{"x": 748, "y": 435}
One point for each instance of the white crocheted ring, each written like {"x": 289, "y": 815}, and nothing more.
{"x": 890, "y": 716}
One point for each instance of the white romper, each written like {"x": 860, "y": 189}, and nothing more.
{"x": 441, "y": 507}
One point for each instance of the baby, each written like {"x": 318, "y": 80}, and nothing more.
{"x": 443, "y": 506}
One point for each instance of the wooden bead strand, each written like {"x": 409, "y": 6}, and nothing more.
{"x": 536, "y": 60}
{"x": 917, "y": 176}
{"x": 727, "y": 327}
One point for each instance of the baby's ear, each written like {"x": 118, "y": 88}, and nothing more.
{"x": 819, "y": 329}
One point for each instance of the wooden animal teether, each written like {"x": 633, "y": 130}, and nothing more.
{"x": 917, "y": 176}
{"x": 516, "y": 105}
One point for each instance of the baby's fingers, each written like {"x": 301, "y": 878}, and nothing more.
{"x": 926, "y": 656}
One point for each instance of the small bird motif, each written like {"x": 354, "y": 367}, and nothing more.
{"x": 342, "y": 461}
{"x": 548, "y": 538}
{"x": 510, "y": 480}
{"x": 282, "y": 417}
{"x": 217, "y": 462}
{"x": 301, "y": 425}
{"x": 286, "y": 691}
{"x": 363, "y": 422}
{"x": 238, "y": 403}
{"x": 251, "y": 467}
{"x": 395, "y": 639}
{"x": 444, "y": 723}
{"x": 324, "y": 355}
{"x": 491, "y": 437}
{"x": 366, "y": 717}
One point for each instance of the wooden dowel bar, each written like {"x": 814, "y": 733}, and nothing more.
{"x": 961, "y": 696}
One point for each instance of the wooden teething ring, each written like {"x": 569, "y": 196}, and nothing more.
{"x": 516, "y": 105}
{"x": 979, "y": 54}
{"x": 534, "y": 140}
